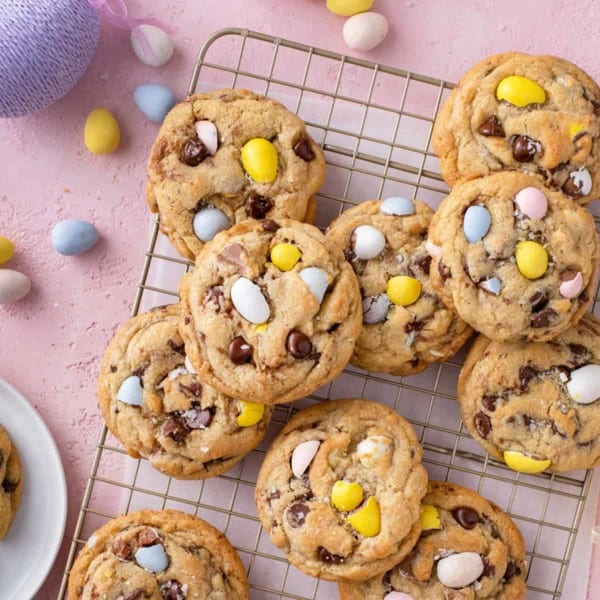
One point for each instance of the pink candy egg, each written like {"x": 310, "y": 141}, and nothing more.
{"x": 571, "y": 288}
{"x": 532, "y": 203}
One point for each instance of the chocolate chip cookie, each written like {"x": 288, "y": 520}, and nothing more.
{"x": 271, "y": 311}
{"x": 405, "y": 325}
{"x": 158, "y": 554}
{"x": 469, "y": 548}
{"x": 540, "y": 400}
{"x": 515, "y": 259}
{"x": 538, "y": 114}
{"x": 227, "y": 156}
{"x": 11, "y": 482}
{"x": 340, "y": 489}
{"x": 153, "y": 402}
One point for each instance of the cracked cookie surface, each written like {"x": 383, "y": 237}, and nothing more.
{"x": 187, "y": 176}
{"x": 156, "y": 406}
{"x": 538, "y": 114}
{"x": 340, "y": 488}
{"x": 162, "y": 555}
{"x": 402, "y": 338}
{"x": 271, "y": 311}
{"x": 11, "y": 482}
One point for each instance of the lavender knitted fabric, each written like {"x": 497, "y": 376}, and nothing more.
{"x": 45, "y": 47}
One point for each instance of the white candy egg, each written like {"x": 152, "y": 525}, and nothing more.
{"x": 367, "y": 242}
{"x": 303, "y": 455}
{"x": 460, "y": 570}
{"x": 375, "y": 308}
{"x": 584, "y": 386}
{"x": 433, "y": 249}
{"x": 207, "y": 134}
{"x": 158, "y": 42}
{"x": 365, "y": 31}
{"x": 373, "y": 449}
{"x": 208, "y": 222}
{"x": 316, "y": 280}
{"x": 248, "y": 299}
{"x": 130, "y": 391}
{"x": 14, "y": 286}
{"x": 152, "y": 558}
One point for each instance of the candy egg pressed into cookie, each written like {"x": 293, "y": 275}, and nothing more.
{"x": 227, "y": 156}
{"x": 271, "y": 312}
{"x": 339, "y": 491}
{"x": 154, "y": 403}
{"x": 538, "y": 114}
{"x": 405, "y": 324}
{"x": 515, "y": 259}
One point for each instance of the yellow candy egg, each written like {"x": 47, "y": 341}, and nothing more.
{"x": 524, "y": 464}
{"x": 250, "y": 413}
{"x": 532, "y": 259}
{"x": 403, "y": 290}
{"x": 285, "y": 256}
{"x": 260, "y": 328}
{"x": 520, "y": 91}
{"x": 347, "y": 8}
{"x": 7, "y": 250}
{"x": 346, "y": 496}
{"x": 430, "y": 517}
{"x": 575, "y": 128}
{"x": 367, "y": 520}
{"x": 101, "y": 134}
{"x": 259, "y": 159}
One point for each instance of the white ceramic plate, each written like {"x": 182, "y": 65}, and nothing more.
{"x": 28, "y": 552}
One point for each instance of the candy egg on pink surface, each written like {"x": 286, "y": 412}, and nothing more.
{"x": 154, "y": 100}
{"x": 14, "y": 286}
{"x": 365, "y": 31}
{"x": 158, "y": 47}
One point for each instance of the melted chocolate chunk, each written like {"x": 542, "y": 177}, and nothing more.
{"x": 556, "y": 430}
{"x": 483, "y": 424}
{"x": 121, "y": 549}
{"x": 147, "y": 537}
{"x": 578, "y": 349}
{"x": 113, "y": 369}
{"x": 135, "y": 595}
{"x": 178, "y": 348}
{"x": 9, "y": 486}
{"x": 194, "y": 390}
{"x": 524, "y": 148}
{"x": 213, "y": 296}
{"x": 413, "y": 326}
{"x": 544, "y": 318}
{"x": 488, "y": 568}
{"x": 489, "y": 402}
{"x": 240, "y": 351}
{"x": 386, "y": 582}
{"x": 423, "y": 263}
{"x": 328, "y": 557}
{"x": 466, "y": 517}
{"x": 512, "y": 570}
{"x": 258, "y": 206}
{"x": 296, "y": 514}
{"x": 139, "y": 372}
{"x": 491, "y": 127}
{"x": 570, "y": 188}
{"x": 275, "y": 495}
{"x": 270, "y": 225}
{"x": 194, "y": 152}
{"x": 527, "y": 421}
{"x": 236, "y": 255}
{"x": 444, "y": 271}
{"x": 172, "y": 590}
{"x": 197, "y": 418}
{"x": 298, "y": 344}
{"x": 538, "y": 300}
{"x": 175, "y": 429}
{"x": 405, "y": 566}
{"x": 526, "y": 374}
{"x": 303, "y": 150}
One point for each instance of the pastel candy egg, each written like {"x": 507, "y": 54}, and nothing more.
{"x": 460, "y": 570}
{"x": 346, "y": 496}
{"x": 492, "y": 285}
{"x": 131, "y": 391}
{"x": 532, "y": 203}
{"x": 580, "y": 180}
{"x": 152, "y": 558}
{"x": 74, "y": 237}
{"x": 101, "y": 134}
{"x": 373, "y": 449}
{"x": 250, "y": 413}
{"x": 347, "y": 8}
{"x": 365, "y": 31}
{"x": 259, "y": 159}
{"x": 207, "y": 134}
{"x": 584, "y": 385}
{"x": 398, "y": 596}
{"x": 285, "y": 256}
{"x": 249, "y": 301}
{"x": 303, "y": 455}
{"x": 316, "y": 280}
{"x": 433, "y": 249}
{"x": 476, "y": 223}
{"x": 403, "y": 290}
{"x": 575, "y": 128}
{"x": 532, "y": 259}
{"x": 375, "y": 308}
{"x": 398, "y": 206}
{"x": 367, "y": 520}
{"x": 14, "y": 286}
{"x": 430, "y": 517}
{"x": 154, "y": 101}
{"x": 7, "y": 250}
{"x": 520, "y": 91}
{"x": 571, "y": 288}
{"x": 524, "y": 464}
{"x": 158, "y": 48}
{"x": 208, "y": 221}
{"x": 367, "y": 242}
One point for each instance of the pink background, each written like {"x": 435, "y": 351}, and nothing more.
{"x": 51, "y": 343}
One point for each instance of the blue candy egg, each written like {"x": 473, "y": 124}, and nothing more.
{"x": 152, "y": 558}
{"x": 397, "y": 206}
{"x": 476, "y": 223}
{"x": 154, "y": 101}
{"x": 73, "y": 237}
{"x": 208, "y": 221}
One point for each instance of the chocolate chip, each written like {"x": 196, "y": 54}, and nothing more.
{"x": 333, "y": 328}
{"x": 405, "y": 566}
{"x": 571, "y": 188}
{"x": 489, "y": 402}
{"x": 175, "y": 429}
{"x": 113, "y": 369}
{"x": 491, "y": 127}
{"x": 512, "y": 570}
{"x": 483, "y": 424}
{"x": 556, "y": 430}
{"x": 488, "y": 568}
{"x": 236, "y": 255}
{"x": 135, "y": 595}
{"x": 538, "y": 300}
{"x": 240, "y": 351}
{"x": 179, "y": 348}
{"x": 270, "y": 225}
{"x": 526, "y": 374}
{"x": 213, "y": 296}
{"x": 466, "y": 517}
{"x": 197, "y": 418}
{"x": 275, "y": 495}
{"x": 194, "y": 152}
{"x": 303, "y": 150}
{"x": 187, "y": 319}
{"x": 578, "y": 349}
{"x": 543, "y": 318}
{"x": 386, "y": 582}
{"x": 444, "y": 271}
{"x": 194, "y": 390}
{"x": 121, "y": 549}
{"x": 328, "y": 557}
{"x": 258, "y": 206}
{"x": 528, "y": 421}
{"x": 413, "y": 326}
{"x": 9, "y": 486}
{"x": 139, "y": 372}
{"x": 524, "y": 148}
{"x": 296, "y": 514}
{"x": 298, "y": 344}
{"x": 423, "y": 263}
{"x": 172, "y": 590}
{"x": 147, "y": 537}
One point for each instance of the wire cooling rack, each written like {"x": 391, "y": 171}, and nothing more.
{"x": 374, "y": 123}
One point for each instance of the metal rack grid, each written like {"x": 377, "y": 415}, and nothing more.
{"x": 374, "y": 123}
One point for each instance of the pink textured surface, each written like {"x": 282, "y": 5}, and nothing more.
{"x": 52, "y": 342}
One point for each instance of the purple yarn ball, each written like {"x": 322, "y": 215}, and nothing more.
{"x": 45, "y": 47}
